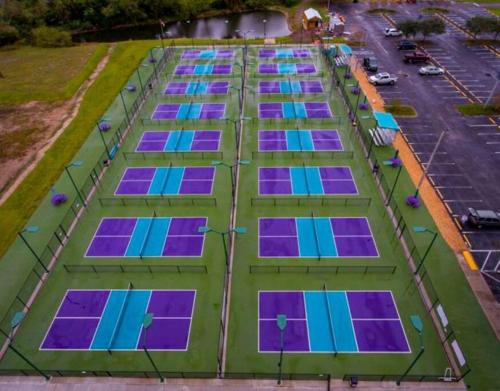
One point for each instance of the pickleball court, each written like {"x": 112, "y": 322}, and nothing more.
{"x": 331, "y": 322}
{"x": 294, "y": 110}
{"x": 299, "y": 140}
{"x": 166, "y": 181}
{"x": 290, "y": 87}
{"x": 179, "y": 141}
{"x": 197, "y": 88}
{"x": 112, "y": 319}
{"x": 316, "y": 237}
{"x": 192, "y": 110}
{"x": 303, "y": 180}
{"x": 148, "y": 237}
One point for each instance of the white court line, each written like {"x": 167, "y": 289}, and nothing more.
{"x": 464, "y": 201}
{"x": 489, "y": 134}
{"x": 481, "y": 125}
{"x": 445, "y": 174}
{"x": 492, "y": 142}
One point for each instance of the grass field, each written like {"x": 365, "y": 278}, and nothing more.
{"x": 242, "y": 332}
{"x": 46, "y": 74}
{"x": 494, "y": 11}
{"x": 15, "y": 211}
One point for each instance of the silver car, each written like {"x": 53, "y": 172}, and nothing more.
{"x": 431, "y": 70}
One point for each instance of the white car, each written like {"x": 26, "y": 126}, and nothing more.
{"x": 431, "y": 70}
{"x": 392, "y": 32}
{"x": 382, "y": 78}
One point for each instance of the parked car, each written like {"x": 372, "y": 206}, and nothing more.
{"x": 415, "y": 57}
{"x": 406, "y": 45}
{"x": 370, "y": 64}
{"x": 392, "y": 32}
{"x": 431, "y": 70}
{"x": 382, "y": 79}
{"x": 482, "y": 218}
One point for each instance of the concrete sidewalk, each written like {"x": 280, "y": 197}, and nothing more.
{"x": 121, "y": 384}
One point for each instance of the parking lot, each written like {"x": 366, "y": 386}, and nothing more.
{"x": 465, "y": 169}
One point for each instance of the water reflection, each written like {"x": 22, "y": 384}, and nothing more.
{"x": 216, "y": 27}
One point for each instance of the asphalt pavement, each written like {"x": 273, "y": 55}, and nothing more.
{"x": 466, "y": 168}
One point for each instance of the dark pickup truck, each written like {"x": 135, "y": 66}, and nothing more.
{"x": 415, "y": 57}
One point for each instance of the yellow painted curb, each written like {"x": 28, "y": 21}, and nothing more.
{"x": 470, "y": 260}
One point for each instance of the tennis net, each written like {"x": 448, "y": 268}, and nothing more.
{"x": 165, "y": 180}
{"x": 146, "y": 237}
{"x": 316, "y": 235}
{"x": 120, "y": 317}
{"x": 330, "y": 320}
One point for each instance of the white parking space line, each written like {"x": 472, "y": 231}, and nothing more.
{"x": 481, "y": 125}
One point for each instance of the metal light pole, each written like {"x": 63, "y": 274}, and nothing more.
{"x": 124, "y": 106}
{"x": 418, "y": 229}
{"x": 230, "y": 167}
{"x": 104, "y": 141}
{"x": 431, "y": 158}
{"x": 238, "y": 230}
{"x": 264, "y": 21}
{"x": 32, "y": 229}
{"x": 19, "y": 354}
{"x": 240, "y": 96}
{"x": 76, "y": 163}
{"x": 281, "y": 322}
{"x": 161, "y": 37}
{"x": 147, "y": 321}
{"x": 419, "y": 326}
{"x": 497, "y": 79}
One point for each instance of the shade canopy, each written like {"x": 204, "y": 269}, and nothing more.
{"x": 385, "y": 120}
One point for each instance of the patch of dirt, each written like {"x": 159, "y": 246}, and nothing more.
{"x": 28, "y": 130}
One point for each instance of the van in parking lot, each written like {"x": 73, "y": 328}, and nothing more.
{"x": 406, "y": 45}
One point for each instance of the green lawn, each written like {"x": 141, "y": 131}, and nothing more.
{"x": 469, "y": 324}
{"x": 494, "y": 11}
{"x": 22, "y": 203}
{"x": 47, "y": 75}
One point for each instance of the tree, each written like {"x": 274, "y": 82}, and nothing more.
{"x": 8, "y": 34}
{"x": 475, "y": 25}
{"x": 431, "y": 26}
{"x": 408, "y": 27}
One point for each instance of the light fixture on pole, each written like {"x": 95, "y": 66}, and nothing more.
{"x": 237, "y": 230}
{"x": 230, "y": 167}
{"x": 419, "y": 229}
{"x": 492, "y": 93}
{"x": 264, "y": 21}
{"x": 76, "y": 163}
{"x": 281, "y": 323}
{"x": 419, "y": 327}
{"x": 16, "y": 320}
{"x": 146, "y": 323}
{"x": 31, "y": 229}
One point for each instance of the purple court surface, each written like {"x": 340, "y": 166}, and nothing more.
{"x": 316, "y": 237}
{"x": 284, "y": 53}
{"x": 299, "y": 140}
{"x": 290, "y": 87}
{"x": 303, "y": 180}
{"x": 166, "y": 181}
{"x": 112, "y": 319}
{"x": 207, "y": 54}
{"x": 197, "y": 88}
{"x": 293, "y": 110}
{"x": 331, "y": 321}
{"x": 148, "y": 237}
{"x": 179, "y": 141}
{"x": 203, "y": 70}
{"x": 287, "y": 68}
{"x": 172, "y": 111}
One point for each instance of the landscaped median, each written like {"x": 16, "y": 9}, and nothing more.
{"x": 471, "y": 328}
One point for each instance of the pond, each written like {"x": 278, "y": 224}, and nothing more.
{"x": 218, "y": 27}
